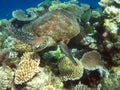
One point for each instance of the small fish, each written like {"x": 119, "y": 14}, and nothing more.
{"x": 67, "y": 52}
{"x": 86, "y": 15}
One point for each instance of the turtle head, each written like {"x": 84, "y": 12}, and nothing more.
{"x": 43, "y": 42}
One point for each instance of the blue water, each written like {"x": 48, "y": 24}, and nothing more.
{"x": 7, "y": 6}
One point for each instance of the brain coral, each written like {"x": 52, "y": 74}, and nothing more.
{"x": 68, "y": 70}
{"x": 27, "y": 68}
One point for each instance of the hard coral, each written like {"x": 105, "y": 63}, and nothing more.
{"x": 49, "y": 87}
{"x": 44, "y": 78}
{"x": 21, "y": 46}
{"x": 117, "y": 1}
{"x": 27, "y": 68}
{"x": 19, "y": 15}
{"x": 81, "y": 86}
{"x": 92, "y": 60}
{"x": 68, "y": 71}
{"x": 6, "y": 77}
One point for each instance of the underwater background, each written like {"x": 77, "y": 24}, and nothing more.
{"x": 7, "y": 6}
{"x": 60, "y": 45}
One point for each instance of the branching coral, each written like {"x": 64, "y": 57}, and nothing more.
{"x": 81, "y": 86}
{"x": 44, "y": 80}
{"x": 6, "y": 77}
{"x": 21, "y": 46}
{"x": 49, "y": 87}
{"x": 68, "y": 71}
{"x": 111, "y": 23}
{"x": 27, "y": 68}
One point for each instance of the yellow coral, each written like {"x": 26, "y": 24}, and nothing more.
{"x": 6, "y": 77}
{"x": 68, "y": 70}
{"x": 21, "y": 46}
{"x": 117, "y": 1}
{"x": 27, "y": 68}
{"x": 116, "y": 70}
{"x": 49, "y": 87}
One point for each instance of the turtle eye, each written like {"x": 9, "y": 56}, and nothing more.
{"x": 39, "y": 47}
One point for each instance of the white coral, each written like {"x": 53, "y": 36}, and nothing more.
{"x": 6, "y": 76}
{"x": 111, "y": 10}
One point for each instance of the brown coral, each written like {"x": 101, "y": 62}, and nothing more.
{"x": 92, "y": 60}
{"x": 27, "y": 68}
{"x": 68, "y": 70}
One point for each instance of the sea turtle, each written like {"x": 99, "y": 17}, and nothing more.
{"x": 54, "y": 27}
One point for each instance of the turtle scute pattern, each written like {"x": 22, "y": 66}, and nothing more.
{"x": 60, "y": 25}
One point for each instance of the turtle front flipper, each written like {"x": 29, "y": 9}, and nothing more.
{"x": 42, "y": 42}
{"x": 67, "y": 52}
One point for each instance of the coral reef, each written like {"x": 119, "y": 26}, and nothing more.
{"x": 111, "y": 83}
{"x": 27, "y": 67}
{"x": 9, "y": 42}
{"x": 92, "y": 60}
{"x": 68, "y": 71}
{"x": 81, "y": 86}
{"x": 19, "y": 15}
{"x": 59, "y": 31}
{"x": 49, "y": 87}
{"x": 44, "y": 80}
{"x": 72, "y": 7}
{"x": 6, "y": 78}
{"x": 34, "y": 46}
{"x": 111, "y": 23}
{"x": 21, "y": 46}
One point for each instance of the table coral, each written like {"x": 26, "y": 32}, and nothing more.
{"x": 20, "y": 15}
{"x": 27, "y": 68}
{"x": 68, "y": 71}
{"x": 92, "y": 60}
